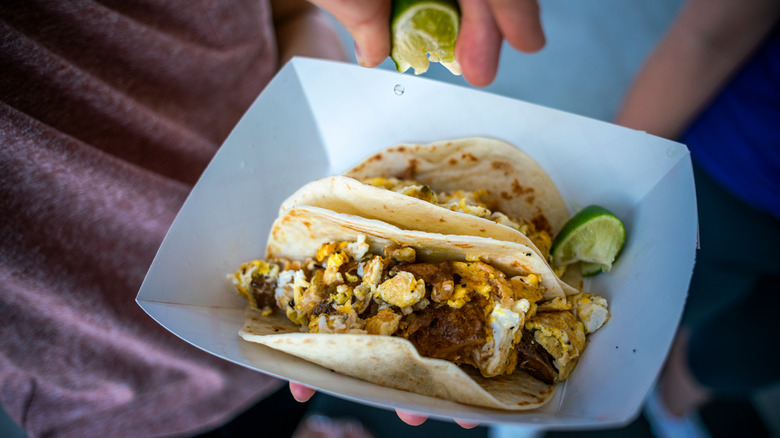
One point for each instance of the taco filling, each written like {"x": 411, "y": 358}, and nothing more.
{"x": 465, "y": 312}
{"x": 474, "y": 203}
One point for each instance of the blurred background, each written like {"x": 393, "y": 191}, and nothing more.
{"x": 593, "y": 51}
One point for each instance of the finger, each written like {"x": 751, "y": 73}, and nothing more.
{"x": 301, "y": 393}
{"x": 520, "y": 23}
{"x": 466, "y": 424}
{"x": 479, "y": 43}
{"x": 410, "y": 418}
{"x": 369, "y": 24}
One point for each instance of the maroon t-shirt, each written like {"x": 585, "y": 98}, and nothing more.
{"x": 109, "y": 112}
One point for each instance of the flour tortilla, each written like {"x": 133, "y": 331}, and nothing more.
{"x": 517, "y": 186}
{"x": 393, "y": 361}
{"x": 300, "y": 231}
{"x": 347, "y": 195}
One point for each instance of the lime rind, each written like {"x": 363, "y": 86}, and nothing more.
{"x": 425, "y": 32}
{"x": 591, "y": 269}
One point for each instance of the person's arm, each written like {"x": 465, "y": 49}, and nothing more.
{"x": 302, "y": 29}
{"x": 703, "y": 47}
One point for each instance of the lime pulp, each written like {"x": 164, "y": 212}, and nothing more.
{"x": 424, "y": 31}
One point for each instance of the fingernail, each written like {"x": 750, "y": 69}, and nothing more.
{"x": 358, "y": 55}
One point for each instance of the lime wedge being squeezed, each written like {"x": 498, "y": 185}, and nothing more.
{"x": 594, "y": 236}
{"x": 424, "y": 31}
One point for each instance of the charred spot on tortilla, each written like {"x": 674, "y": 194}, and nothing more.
{"x": 369, "y": 160}
{"x": 518, "y": 189}
{"x": 452, "y": 161}
{"x": 411, "y": 169}
{"x": 541, "y": 223}
{"x": 469, "y": 156}
{"x": 376, "y": 157}
{"x": 502, "y": 166}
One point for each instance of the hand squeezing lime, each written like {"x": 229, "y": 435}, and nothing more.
{"x": 423, "y": 31}
{"x": 594, "y": 236}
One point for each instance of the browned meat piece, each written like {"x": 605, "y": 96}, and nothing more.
{"x": 431, "y": 273}
{"x": 445, "y": 333}
{"x": 263, "y": 292}
{"x": 534, "y": 359}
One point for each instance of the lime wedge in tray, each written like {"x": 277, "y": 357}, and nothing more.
{"x": 594, "y": 236}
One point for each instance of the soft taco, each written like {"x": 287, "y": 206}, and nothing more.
{"x": 466, "y": 318}
{"x": 511, "y": 182}
{"x": 475, "y": 186}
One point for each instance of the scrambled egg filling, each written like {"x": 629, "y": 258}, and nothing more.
{"x": 562, "y": 335}
{"x": 468, "y": 202}
{"x": 466, "y": 312}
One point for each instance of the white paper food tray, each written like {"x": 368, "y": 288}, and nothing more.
{"x": 318, "y": 118}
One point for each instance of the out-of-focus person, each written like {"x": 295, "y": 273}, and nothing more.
{"x": 109, "y": 112}
{"x": 713, "y": 83}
